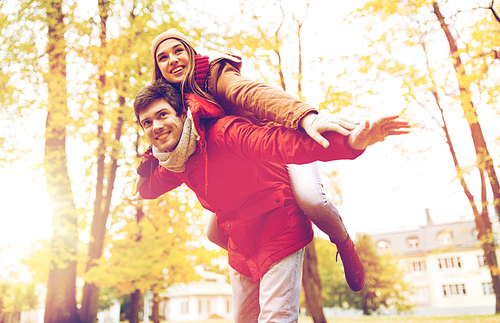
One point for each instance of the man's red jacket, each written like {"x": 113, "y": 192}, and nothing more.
{"x": 243, "y": 179}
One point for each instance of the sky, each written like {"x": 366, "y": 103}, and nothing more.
{"x": 382, "y": 189}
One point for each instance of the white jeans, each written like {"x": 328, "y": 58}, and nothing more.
{"x": 275, "y": 298}
{"x": 311, "y": 198}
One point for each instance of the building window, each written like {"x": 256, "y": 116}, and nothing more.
{"x": 412, "y": 242}
{"x": 451, "y": 262}
{"x": 185, "y": 307}
{"x": 445, "y": 237}
{"x": 454, "y": 289}
{"x": 204, "y": 306}
{"x": 422, "y": 295}
{"x": 488, "y": 289}
{"x": 417, "y": 266}
{"x": 383, "y": 245}
{"x": 481, "y": 260}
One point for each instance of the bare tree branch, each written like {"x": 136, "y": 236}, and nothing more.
{"x": 493, "y": 11}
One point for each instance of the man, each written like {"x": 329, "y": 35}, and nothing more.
{"x": 237, "y": 171}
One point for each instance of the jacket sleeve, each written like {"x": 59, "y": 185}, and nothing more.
{"x": 147, "y": 166}
{"x": 241, "y": 96}
{"x": 277, "y": 144}
{"x": 160, "y": 182}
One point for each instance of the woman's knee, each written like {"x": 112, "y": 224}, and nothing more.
{"x": 312, "y": 202}
{"x": 307, "y": 187}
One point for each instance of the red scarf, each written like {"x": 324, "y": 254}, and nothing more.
{"x": 201, "y": 66}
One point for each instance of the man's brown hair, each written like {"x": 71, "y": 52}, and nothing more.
{"x": 159, "y": 89}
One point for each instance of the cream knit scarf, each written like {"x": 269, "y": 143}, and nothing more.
{"x": 176, "y": 160}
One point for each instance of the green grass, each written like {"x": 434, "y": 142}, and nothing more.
{"x": 443, "y": 319}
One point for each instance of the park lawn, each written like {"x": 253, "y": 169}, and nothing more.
{"x": 444, "y": 319}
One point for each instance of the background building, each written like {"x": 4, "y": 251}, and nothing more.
{"x": 211, "y": 297}
{"x": 445, "y": 263}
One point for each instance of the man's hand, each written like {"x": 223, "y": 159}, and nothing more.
{"x": 367, "y": 133}
{"x": 136, "y": 197}
{"x": 135, "y": 194}
{"x": 315, "y": 125}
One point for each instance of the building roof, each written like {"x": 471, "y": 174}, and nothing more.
{"x": 210, "y": 284}
{"x": 429, "y": 238}
{"x": 200, "y": 288}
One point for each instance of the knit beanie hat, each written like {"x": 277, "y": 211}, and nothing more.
{"x": 171, "y": 33}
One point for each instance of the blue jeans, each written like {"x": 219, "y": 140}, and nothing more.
{"x": 311, "y": 198}
{"x": 275, "y": 298}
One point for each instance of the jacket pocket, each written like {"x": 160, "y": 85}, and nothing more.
{"x": 259, "y": 221}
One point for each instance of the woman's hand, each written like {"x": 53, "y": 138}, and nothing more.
{"x": 366, "y": 134}
{"x": 315, "y": 124}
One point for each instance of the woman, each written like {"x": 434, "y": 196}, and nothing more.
{"x": 218, "y": 80}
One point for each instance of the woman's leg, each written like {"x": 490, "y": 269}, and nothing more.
{"x": 311, "y": 198}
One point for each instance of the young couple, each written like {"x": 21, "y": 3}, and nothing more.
{"x": 205, "y": 123}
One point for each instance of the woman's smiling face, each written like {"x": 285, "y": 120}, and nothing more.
{"x": 173, "y": 60}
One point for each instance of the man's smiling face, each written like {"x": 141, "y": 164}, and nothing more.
{"x": 162, "y": 125}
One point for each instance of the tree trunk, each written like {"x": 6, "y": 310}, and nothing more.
{"x": 484, "y": 160}
{"x": 16, "y": 317}
{"x": 90, "y": 302}
{"x": 135, "y": 297}
{"x": 2, "y": 313}
{"x": 483, "y": 156}
{"x": 486, "y": 238}
{"x": 60, "y": 306}
{"x": 310, "y": 275}
{"x": 366, "y": 311}
{"x": 133, "y": 314}
{"x": 312, "y": 285}
{"x": 482, "y": 220}
{"x": 90, "y": 298}
{"x": 155, "y": 316}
